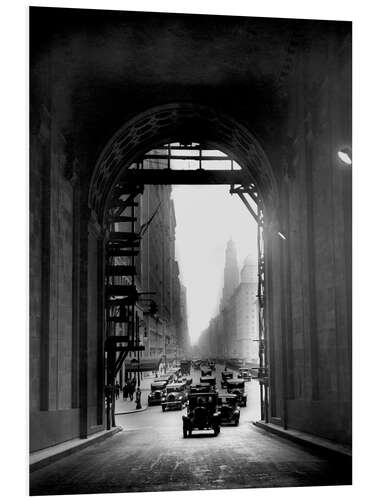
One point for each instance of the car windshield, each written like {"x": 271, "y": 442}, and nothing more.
{"x": 236, "y": 385}
{"x": 204, "y": 400}
{"x": 175, "y": 388}
{"x": 156, "y": 387}
{"x": 227, "y": 401}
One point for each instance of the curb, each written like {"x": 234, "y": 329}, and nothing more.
{"x": 304, "y": 439}
{"x": 81, "y": 445}
{"x": 131, "y": 411}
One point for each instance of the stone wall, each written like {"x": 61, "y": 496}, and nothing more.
{"x": 310, "y": 294}
{"x": 59, "y": 320}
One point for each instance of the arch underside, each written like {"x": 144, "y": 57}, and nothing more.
{"x": 183, "y": 123}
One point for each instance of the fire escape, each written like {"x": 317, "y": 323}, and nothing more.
{"x": 121, "y": 295}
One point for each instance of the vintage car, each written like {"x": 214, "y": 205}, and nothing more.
{"x": 173, "y": 374}
{"x": 209, "y": 380}
{"x": 157, "y": 388}
{"x": 212, "y": 365}
{"x": 185, "y": 366}
{"x": 163, "y": 378}
{"x": 225, "y": 376}
{"x": 205, "y": 370}
{"x": 245, "y": 373}
{"x": 228, "y": 408}
{"x": 197, "y": 363}
{"x": 201, "y": 413}
{"x": 199, "y": 388}
{"x": 187, "y": 380}
{"x": 174, "y": 397}
{"x": 237, "y": 386}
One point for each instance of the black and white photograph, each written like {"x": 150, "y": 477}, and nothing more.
{"x": 190, "y": 245}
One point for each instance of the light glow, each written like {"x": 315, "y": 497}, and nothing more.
{"x": 344, "y": 157}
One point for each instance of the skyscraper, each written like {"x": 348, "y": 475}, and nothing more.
{"x": 231, "y": 273}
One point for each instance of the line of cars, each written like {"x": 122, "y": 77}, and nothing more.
{"x": 207, "y": 408}
{"x": 170, "y": 390}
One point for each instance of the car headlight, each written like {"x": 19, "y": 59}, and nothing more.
{"x": 180, "y": 397}
{"x": 163, "y": 399}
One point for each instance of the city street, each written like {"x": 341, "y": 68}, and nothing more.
{"x": 151, "y": 455}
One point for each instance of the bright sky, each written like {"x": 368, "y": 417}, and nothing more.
{"x": 207, "y": 217}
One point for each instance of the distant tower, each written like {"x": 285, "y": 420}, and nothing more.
{"x": 231, "y": 273}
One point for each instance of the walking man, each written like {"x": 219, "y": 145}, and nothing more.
{"x": 125, "y": 391}
{"x": 117, "y": 390}
{"x": 131, "y": 390}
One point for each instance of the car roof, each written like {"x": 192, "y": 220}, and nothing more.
{"x": 199, "y": 394}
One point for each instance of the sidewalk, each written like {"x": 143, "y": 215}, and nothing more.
{"x": 39, "y": 459}
{"x": 304, "y": 439}
{"x": 126, "y": 406}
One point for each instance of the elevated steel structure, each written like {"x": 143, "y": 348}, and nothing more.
{"x": 122, "y": 246}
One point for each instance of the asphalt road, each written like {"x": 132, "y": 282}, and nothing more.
{"x": 151, "y": 455}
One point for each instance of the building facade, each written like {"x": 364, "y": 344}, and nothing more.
{"x": 157, "y": 277}
{"x": 233, "y": 333}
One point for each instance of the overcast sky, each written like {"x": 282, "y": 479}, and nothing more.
{"x": 207, "y": 217}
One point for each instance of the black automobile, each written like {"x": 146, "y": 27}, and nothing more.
{"x": 237, "y": 386}
{"x": 157, "y": 388}
{"x": 225, "y": 376}
{"x": 212, "y": 365}
{"x": 197, "y": 363}
{"x": 185, "y": 366}
{"x": 187, "y": 380}
{"x": 228, "y": 408}
{"x": 201, "y": 413}
{"x": 209, "y": 380}
{"x": 245, "y": 373}
{"x": 205, "y": 370}
{"x": 174, "y": 397}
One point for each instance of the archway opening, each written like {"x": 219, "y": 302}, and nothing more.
{"x": 118, "y": 184}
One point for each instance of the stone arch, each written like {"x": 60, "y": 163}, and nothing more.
{"x": 184, "y": 122}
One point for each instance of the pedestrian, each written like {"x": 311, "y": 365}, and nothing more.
{"x": 125, "y": 391}
{"x": 117, "y": 390}
{"x": 138, "y": 398}
{"x": 131, "y": 390}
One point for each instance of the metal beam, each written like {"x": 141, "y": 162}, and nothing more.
{"x": 186, "y": 157}
{"x": 199, "y": 176}
{"x": 249, "y": 207}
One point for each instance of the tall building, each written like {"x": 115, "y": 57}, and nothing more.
{"x": 157, "y": 276}
{"x": 231, "y": 274}
{"x": 233, "y": 332}
{"x": 245, "y": 315}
